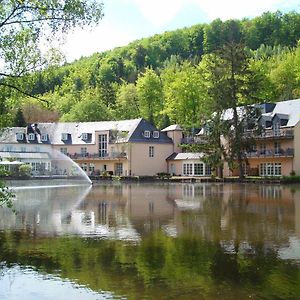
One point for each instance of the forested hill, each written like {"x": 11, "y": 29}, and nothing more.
{"x": 162, "y": 78}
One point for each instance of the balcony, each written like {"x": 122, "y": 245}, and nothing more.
{"x": 106, "y": 156}
{"x": 282, "y": 133}
{"x": 194, "y": 140}
{"x": 289, "y": 152}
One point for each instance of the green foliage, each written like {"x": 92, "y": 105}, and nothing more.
{"x": 184, "y": 95}
{"x": 89, "y": 109}
{"x": 19, "y": 119}
{"x": 25, "y": 170}
{"x": 127, "y": 105}
{"x": 161, "y": 78}
{"x": 6, "y": 195}
{"x": 150, "y": 95}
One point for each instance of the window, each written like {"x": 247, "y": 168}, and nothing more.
{"x": 84, "y": 136}
{"x": 151, "y": 151}
{"x": 92, "y": 168}
{"x": 118, "y": 169}
{"x": 84, "y": 167}
{"x": 277, "y": 148}
{"x": 64, "y": 151}
{"x": 277, "y": 169}
{"x": 198, "y": 169}
{"x": 156, "y": 134}
{"x": 31, "y": 137}
{"x": 187, "y": 169}
{"x": 83, "y": 151}
{"x": 270, "y": 169}
{"x": 147, "y": 134}
{"x": 207, "y": 170}
{"x": 44, "y": 137}
{"x": 276, "y": 128}
{"x": 262, "y": 148}
{"x": 20, "y": 136}
{"x": 102, "y": 145}
{"x": 64, "y": 136}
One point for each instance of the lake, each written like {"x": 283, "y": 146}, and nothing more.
{"x": 151, "y": 241}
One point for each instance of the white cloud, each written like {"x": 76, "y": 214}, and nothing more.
{"x": 230, "y": 9}
{"x": 159, "y": 12}
{"x": 84, "y": 42}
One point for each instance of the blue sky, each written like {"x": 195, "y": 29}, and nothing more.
{"x": 128, "y": 20}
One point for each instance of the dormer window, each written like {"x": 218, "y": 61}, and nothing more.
{"x": 44, "y": 137}
{"x": 86, "y": 136}
{"x": 147, "y": 134}
{"x": 64, "y": 136}
{"x": 156, "y": 134}
{"x": 31, "y": 137}
{"x": 20, "y": 136}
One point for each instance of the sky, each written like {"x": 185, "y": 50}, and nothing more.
{"x": 127, "y": 20}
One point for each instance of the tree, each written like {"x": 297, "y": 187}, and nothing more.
{"x": 127, "y": 102}
{"x": 233, "y": 88}
{"x": 184, "y": 98}
{"x": 25, "y": 24}
{"x": 150, "y": 95}
{"x": 19, "y": 119}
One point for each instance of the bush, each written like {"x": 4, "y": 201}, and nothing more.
{"x": 25, "y": 170}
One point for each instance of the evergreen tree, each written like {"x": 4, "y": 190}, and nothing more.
{"x": 19, "y": 120}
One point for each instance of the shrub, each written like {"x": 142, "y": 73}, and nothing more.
{"x": 25, "y": 170}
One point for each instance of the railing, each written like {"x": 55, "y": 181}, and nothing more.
{"x": 270, "y": 133}
{"x": 194, "y": 140}
{"x": 112, "y": 155}
{"x": 272, "y": 153}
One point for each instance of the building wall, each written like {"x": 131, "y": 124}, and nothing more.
{"x": 297, "y": 148}
{"x": 176, "y": 136}
{"x": 141, "y": 164}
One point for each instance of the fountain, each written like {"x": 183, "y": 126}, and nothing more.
{"x": 64, "y": 167}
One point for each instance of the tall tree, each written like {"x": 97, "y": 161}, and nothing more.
{"x": 150, "y": 95}
{"x": 233, "y": 87}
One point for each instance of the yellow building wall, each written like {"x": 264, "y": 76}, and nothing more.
{"x": 141, "y": 164}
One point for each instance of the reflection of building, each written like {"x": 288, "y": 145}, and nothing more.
{"x": 231, "y": 212}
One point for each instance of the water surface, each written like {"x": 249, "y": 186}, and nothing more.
{"x": 151, "y": 241}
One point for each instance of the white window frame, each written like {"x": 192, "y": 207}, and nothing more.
{"x": 20, "y": 136}
{"x": 188, "y": 169}
{"x": 156, "y": 134}
{"x": 83, "y": 151}
{"x": 276, "y": 128}
{"x": 64, "y": 150}
{"x": 199, "y": 167}
{"x": 31, "y": 137}
{"x": 44, "y": 137}
{"x": 84, "y": 136}
{"x": 119, "y": 169}
{"x": 64, "y": 136}
{"x": 84, "y": 167}
{"x": 147, "y": 134}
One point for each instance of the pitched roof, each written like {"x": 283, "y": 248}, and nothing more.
{"x": 133, "y": 132}
{"x": 289, "y": 109}
{"x": 172, "y": 128}
{"x": 186, "y": 156}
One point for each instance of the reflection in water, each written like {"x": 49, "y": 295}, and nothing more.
{"x": 165, "y": 241}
